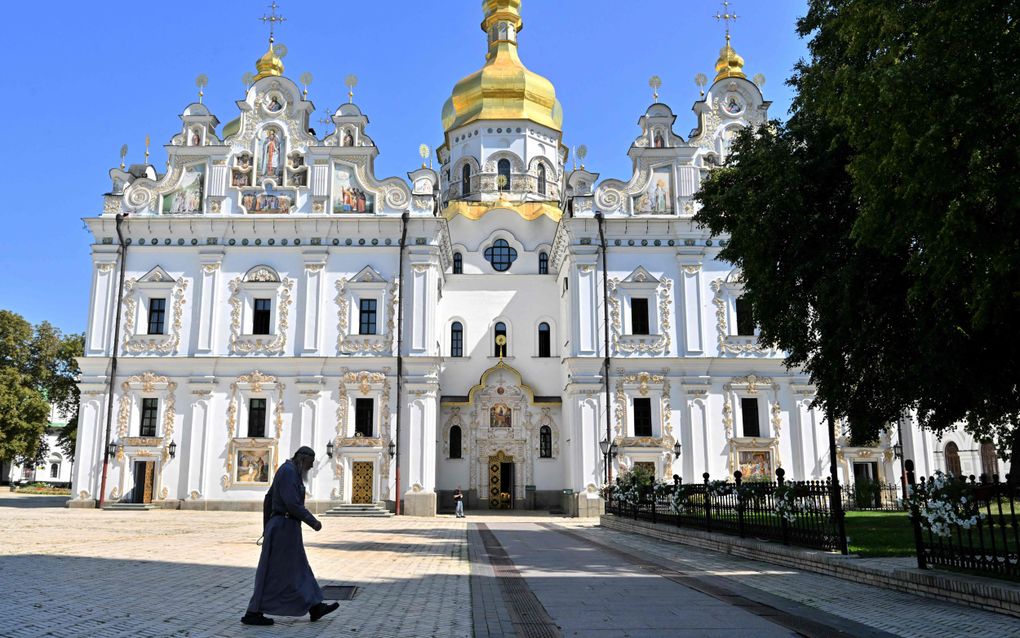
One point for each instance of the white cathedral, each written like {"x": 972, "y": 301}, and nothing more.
{"x": 503, "y": 324}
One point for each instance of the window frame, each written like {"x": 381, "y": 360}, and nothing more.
{"x": 456, "y": 442}
{"x": 256, "y": 414}
{"x": 742, "y": 313}
{"x": 156, "y": 316}
{"x": 545, "y": 442}
{"x": 645, "y": 325}
{"x": 745, "y": 401}
{"x": 542, "y": 180}
{"x": 544, "y": 340}
{"x": 364, "y": 410}
{"x": 500, "y": 255}
{"x": 644, "y": 401}
{"x": 457, "y": 339}
{"x": 368, "y": 317}
{"x": 504, "y": 169}
{"x": 148, "y": 423}
{"x": 496, "y": 331}
{"x": 543, "y": 263}
{"x": 261, "y": 314}
{"x": 458, "y": 263}
{"x": 465, "y": 180}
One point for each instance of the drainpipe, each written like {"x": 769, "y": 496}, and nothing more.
{"x": 400, "y": 358}
{"x": 605, "y": 362}
{"x": 122, "y": 258}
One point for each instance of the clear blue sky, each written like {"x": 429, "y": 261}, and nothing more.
{"x": 90, "y": 76}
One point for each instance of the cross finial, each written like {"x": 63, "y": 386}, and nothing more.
{"x": 726, "y": 16}
{"x": 272, "y": 19}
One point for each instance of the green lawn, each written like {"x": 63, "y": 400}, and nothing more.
{"x": 880, "y": 534}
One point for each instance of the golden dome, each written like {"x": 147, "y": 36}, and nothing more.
{"x": 729, "y": 64}
{"x": 503, "y": 89}
{"x": 269, "y": 64}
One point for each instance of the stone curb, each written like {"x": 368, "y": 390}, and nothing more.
{"x": 981, "y": 593}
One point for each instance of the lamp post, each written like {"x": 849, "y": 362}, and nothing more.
{"x": 329, "y": 450}
{"x": 604, "y": 446}
{"x": 111, "y": 449}
{"x": 393, "y": 449}
{"x": 676, "y": 450}
{"x": 172, "y": 449}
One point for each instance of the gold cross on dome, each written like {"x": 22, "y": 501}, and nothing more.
{"x": 272, "y": 19}
{"x": 726, "y": 16}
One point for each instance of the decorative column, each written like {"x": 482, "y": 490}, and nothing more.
{"x": 88, "y": 454}
{"x": 104, "y": 288}
{"x": 689, "y": 305}
{"x": 315, "y": 264}
{"x": 206, "y": 308}
{"x": 587, "y": 297}
{"x": 198, "y": 443}
{"x": 695, "y": 442}
{"x": 418, "y": 446}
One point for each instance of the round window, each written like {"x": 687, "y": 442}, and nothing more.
{"x": 501, "y": 255}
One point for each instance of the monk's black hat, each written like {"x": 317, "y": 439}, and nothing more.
{"x": 304, "y": 450}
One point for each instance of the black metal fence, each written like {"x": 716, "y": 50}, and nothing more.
{"x": 873, "y": 496}
{"x": 743, "y": 508}
{"x": 983, "y": 532}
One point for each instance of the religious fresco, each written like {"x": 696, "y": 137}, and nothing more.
{"x": 274, "y": 103}
{"x": 297, "y": 170}
{"x": 253, "y": 465}
{"x": 241, "y": 172}
{"x": 186, "y": 198}
{"x": 348, "y": 196}
{"x": 755, "y": 465}
{"x": 500, "y": 416}
{"x": 658, "y": 195}
{"x": 269, "y": 202}
{"x": 271, "y": 151}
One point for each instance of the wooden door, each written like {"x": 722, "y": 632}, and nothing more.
{"x": 361, "y": 486}
{"x": 144, "y": 477}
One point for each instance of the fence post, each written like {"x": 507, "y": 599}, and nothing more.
{"x": 677, "y": 487}
{"x": 655, "y": 497}
{"x": 740, "y": 503}
{"x": 915, "y": 517}
{"x": 780, "y": 473}
{"x": 708, "y": 505}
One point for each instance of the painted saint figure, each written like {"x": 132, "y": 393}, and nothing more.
{"x": 271, "y": 152}
{"x": 284, "y": 582}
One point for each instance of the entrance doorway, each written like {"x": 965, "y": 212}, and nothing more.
{"x": 361, "y": 486}
{"x": 145, "y": 472}
{"x": 867, "y": 492}
{"x": 501, "y": 481}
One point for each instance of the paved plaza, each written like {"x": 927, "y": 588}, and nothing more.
{"x": 172, "y": 573}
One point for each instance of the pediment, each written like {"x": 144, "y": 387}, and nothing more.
{"x": 368, "y": 275}
{"x": 641, "y": 276}
{"x": 156, "y": 276}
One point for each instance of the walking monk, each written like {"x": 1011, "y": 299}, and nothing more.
{"x": 284, "y": 582}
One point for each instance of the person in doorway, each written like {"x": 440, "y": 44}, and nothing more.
{"x": 284, "y": 582}
{"x": 458, "y": 498}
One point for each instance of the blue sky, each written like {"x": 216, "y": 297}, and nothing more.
{"x": 90, "y": 76}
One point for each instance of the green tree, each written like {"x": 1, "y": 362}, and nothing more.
{"x": 878, "y": 230}
{"x": 38, "y": 364}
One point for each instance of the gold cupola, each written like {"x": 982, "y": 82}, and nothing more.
{"x": 729, "y": 64}
{"x": 503, "y": 89}
{"x": 269, "y": 64}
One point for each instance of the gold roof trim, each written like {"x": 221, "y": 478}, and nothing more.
{"x": 529, "y": 211}
{"x": 503, "y": 89}
{"x": 485, "y": 377}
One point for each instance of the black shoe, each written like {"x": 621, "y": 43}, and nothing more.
{"x": 321, "y": 609}
{"x": 252, "y": 618}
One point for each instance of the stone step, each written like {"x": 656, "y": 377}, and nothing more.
{"x": 129, "y": 507}
{"x": 361, "y": 510}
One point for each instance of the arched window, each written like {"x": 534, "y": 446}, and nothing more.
{"x": 455, "y": 442}
{"x": 457, "y": 339}
{"x": 501, "y": 255}
{"x": 545, "y": 442}
{"x": 54, "y": 470}
{"x": 503, "y": 179}
{"x": 544, "y": 340}
{"x": 543, "y": 263}
{"x": 500, "y": 331}
{"x": 953, "y": 459}
{"x": 465, "y": 180}
{"x": 541, "y": 179}
{"x": 989, "y": 460}
{"x": 458, "y": 264}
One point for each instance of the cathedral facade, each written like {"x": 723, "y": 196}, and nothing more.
{"x": 507, "y": 324}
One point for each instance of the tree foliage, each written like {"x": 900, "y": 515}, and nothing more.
{"x": 878, "y": 230}
{"x": 37, "y": 368}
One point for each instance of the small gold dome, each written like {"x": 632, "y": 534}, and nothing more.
{"x": 269, "y": 64}
{"x": 729, "y": 64}
{"x": 503, "y": 89}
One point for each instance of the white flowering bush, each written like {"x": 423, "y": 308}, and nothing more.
{"x": 679, "y": 500}
{"x": 787, "y": 504}
{"x": 943, "y": 503}
{"x": 718, "y": 489}
{"x": 633, "y": 486}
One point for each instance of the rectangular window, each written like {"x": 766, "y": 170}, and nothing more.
{"x": 639, "y": 316}
{"x": 157, "y": 315}
{"x": 749, "y": 412}
{"x": 368, "y": 312}
{"x": 642, "y": 417}
{"x": 745, "y": 318}
{"x": 363, "y": 409}
{"x": 260, "y": 318}
{"x": 150, "y": 410}
{"x": 544, "y": 340}
{"x": 257, "y": 418}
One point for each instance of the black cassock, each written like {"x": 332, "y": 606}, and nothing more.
{"x": 284, "y": 583}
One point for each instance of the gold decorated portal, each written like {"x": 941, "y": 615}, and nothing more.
{"x": 361, "y": 489}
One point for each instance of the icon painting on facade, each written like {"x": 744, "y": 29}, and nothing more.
{"x": 756, "y": 465}
{"x": 271, "y": 148}
{"x": 186, "y": 198}
{"x": 499, "y": 416}
{"x": 269, "y": 202}
{"x": 348, "y": 197}
{"x": 253, "y": 466}
{"x": 658, "y": 195}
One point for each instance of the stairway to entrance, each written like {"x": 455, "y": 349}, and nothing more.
{"x": 129, "y": 507}
{"x": 359, "y": 510}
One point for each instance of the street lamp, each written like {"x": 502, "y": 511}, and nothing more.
{"x": 393, "y": 449}
{"x": 604, "y": 446}
{"x": 897, "y": 450}
{"x": 172, "y": 449}
{"x": 614, "y": 450}
{"x": 329, "y": 450}
{"x": 111, "y": 449}
{"x": 676, "y": 450}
